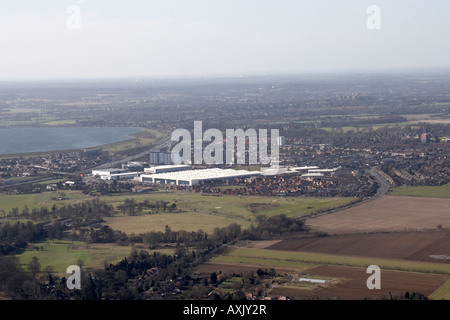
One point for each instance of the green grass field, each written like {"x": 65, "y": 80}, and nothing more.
{"x": 237, "y": 207}
{"x": 290, "y": 258}
{"x": 421, "y": 191}
{"x": 198, "y": 212}
{"x": 62, "y": 254}
{"x": 191, "y": 221}
{"x": 38, "y": 200}
{"x": 209, "y": 212}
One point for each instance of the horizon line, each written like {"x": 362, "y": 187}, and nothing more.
{"x": 221, "y": 75}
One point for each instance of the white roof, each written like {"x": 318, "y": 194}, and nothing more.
{"x": 124, "y": 174}
{"x": 306, "y": 175}
{"x": 202, "y": 174}
{"x": 324, "y": 170}
{"x": 169, "y": 166}
{"x": 304, "y": 168}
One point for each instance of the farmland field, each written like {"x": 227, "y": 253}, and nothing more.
{"x": 385, "y": 214}
{"x": 443, "y": 293}
{"x": 297, "y": 258}
{"x": 353, "y": 284}
{"x": 429, "y": 246}
{"x": 346, "y": 275}
{"x": 421, "y": 191}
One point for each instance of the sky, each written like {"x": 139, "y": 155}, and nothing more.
{"x": 73, "y": 39}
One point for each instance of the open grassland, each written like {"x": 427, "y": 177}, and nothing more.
{"x": 208, "y": 212}
{"x": 275, "y": 257}
{"x": 421, "y": 191}
{"x": 236, "y": 206}
{"x": 191, "y": 221}
{"x": 38, "y": 200}
{"x": 61, "y": 254}
{"x": 386, "y": 214}
{"x": 195, "y": 211}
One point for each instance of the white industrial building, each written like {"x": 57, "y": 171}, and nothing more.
{"x": 107, "y": 172}
{"x": 305, "y": 168}
{"x": 121, "y": 176}
{"x": 168, "y": 168}
{"x": 313, "y": 175}
{"x": 194, "y": 177}
{"x": 323, "y": 170}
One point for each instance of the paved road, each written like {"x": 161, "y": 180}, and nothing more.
{"x": 383, "y": 186}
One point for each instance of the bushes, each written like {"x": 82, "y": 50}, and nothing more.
{"x": 274, "y": 227}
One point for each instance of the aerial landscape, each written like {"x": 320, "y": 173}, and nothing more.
{"x": 119, "y": 187}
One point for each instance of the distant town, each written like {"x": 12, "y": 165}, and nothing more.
{"x": 362, "y": 174}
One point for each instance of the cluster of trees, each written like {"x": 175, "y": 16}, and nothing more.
{"x": 275, "y": 226}
{"x": 132, "y": 207}
{"x": 14, "y": 281}
{"x": 129, "y": 279}
{"x": 14, "y": 237}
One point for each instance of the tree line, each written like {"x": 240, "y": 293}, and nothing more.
{"x": 131, "y": 207}
{"x": 130, "y": 278}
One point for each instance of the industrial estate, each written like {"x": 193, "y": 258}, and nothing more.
{"x": 361, "y": 179}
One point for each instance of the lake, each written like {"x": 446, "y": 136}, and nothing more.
{"x": 23, "y": 140}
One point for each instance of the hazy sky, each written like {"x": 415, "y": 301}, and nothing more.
{"x": 145, "y": 38}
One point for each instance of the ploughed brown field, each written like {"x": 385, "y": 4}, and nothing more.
{"x": 387, "y": 213}
{"x": 353, "y": 285}
{"x": 429, "y": 246}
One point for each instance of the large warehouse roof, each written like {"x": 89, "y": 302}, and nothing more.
{"x": 193, "y": 177}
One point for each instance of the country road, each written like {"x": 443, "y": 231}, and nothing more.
{"x": 383, "y": 186}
